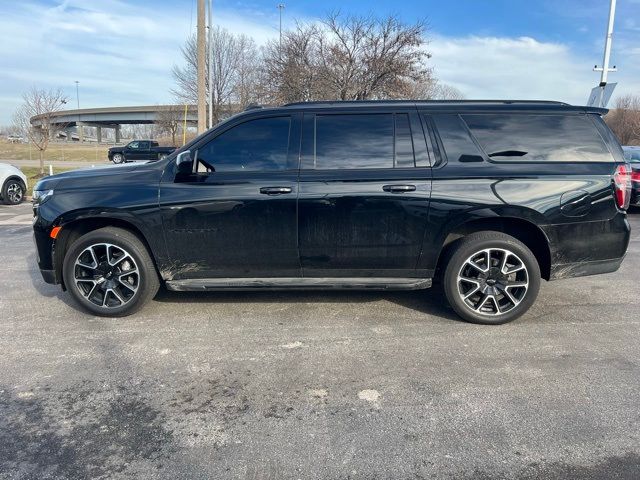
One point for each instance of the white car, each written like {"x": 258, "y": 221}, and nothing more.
{"x": 13, "y": 184}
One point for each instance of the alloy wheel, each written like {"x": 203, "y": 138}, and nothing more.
{"x": 106, "y": 275}
{"x": 15, "y": 192}
{"x": 493, "y": 281}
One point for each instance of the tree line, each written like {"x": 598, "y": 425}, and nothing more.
{"x": 338, "y": 58}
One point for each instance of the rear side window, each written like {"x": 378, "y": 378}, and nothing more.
{"x": 538, "y": 138}
{"x": 359, "y": 141}
{"x": 354, "y": 141}
{"x": 257, "y": 145}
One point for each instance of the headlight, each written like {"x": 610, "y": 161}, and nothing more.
{"x": 41, "y": 196}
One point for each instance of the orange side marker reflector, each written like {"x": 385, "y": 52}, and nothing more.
{"x": 54, "y": 232}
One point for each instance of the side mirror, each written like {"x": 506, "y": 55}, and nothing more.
{"x": 184, "y": 163}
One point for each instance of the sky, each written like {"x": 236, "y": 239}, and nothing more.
{"x": 121, "y": 51}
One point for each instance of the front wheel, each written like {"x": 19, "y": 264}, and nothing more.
{"x": 117, "y": 158}
{"x": 491, "y": 278}
{"x": 13, "y": 192}
{"x": 110, "y": 273}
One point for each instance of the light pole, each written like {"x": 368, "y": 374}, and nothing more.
{"x": 600, "y": 95}
{"x": 281, "y": 7}
{"x": 210, "y": 63}
{"x": 78, "y": 94}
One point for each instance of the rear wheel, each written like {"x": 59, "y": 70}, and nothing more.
{"x": 491, "y": 278}
{"x": 13, "y": 192}
{"x": 110, "y": 273}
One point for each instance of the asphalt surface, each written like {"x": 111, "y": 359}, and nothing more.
{"x": 317, "y": 385}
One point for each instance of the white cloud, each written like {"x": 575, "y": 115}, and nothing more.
{"x": 121, "y": 52}
{"x": 521, "y": 68}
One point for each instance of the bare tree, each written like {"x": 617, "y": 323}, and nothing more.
{"x": 35, "y": 118}
{"x": 348, "y": 58}
{"x": 292, "y": 68}
{"x": 624, "y": 119}
{"x": 169, "y": 120}
{"x": 234, "y": 72}
{"x": 432, "y": 89}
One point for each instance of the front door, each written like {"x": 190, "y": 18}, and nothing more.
{"x": 235, "y": 216}
{"x": 364, "y": 194}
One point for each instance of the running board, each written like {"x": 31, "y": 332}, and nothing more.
{"x": 294, "y": 283}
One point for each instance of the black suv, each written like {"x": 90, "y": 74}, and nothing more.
{"x": 488, "y": 197}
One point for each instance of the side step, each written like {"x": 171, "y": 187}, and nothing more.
{"x": 294, "y": 283}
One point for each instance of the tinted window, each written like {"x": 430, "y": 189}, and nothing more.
{"x": 134, "y": 145}
{"x": 354, "y": 141}
{"x": 256, "y": 145}
{"x": 538, "y": 138}
{"x": 457, "y": 143}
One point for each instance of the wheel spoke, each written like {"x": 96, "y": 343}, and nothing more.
{"x": 511, "y": 298}
{"x": 115, "y": 292}
{"x": 488, "y": 261}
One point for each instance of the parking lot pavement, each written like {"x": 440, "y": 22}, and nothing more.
{"x": 317, "y": 385}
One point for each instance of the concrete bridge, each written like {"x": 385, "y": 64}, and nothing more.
{"x": 72, "y": 121}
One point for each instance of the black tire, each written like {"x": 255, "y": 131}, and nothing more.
{"x": 13, "y": 192}
{"x": 492, "y": 283}
{"x": 118, "y": 158}
{"x": 146, "y": 283}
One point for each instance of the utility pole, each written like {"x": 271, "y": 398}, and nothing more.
{"x": 601, "y": 94}
{"x": 79, "y": 128}
{"x": 210, "y": 61}
{"x": 201, "y": 53}
{"x": 281, "y": 7}
{"x": 78, "y": 94}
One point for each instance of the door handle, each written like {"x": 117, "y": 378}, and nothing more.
{"x": 275, "y": 190}
{"x": 399, "y": 188}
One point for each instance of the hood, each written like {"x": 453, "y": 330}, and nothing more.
{"x": 87, "y": 175}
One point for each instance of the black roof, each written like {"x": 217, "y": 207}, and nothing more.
{"x": 452, "y": 105}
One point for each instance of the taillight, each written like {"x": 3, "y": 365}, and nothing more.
{"x": 635, "y": 176}
{"x": 622, "y": 182}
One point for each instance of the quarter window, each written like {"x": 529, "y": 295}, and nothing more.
{"x": 538, "y": 138}
{"x": 257, "y": 145}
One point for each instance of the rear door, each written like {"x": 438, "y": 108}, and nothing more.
{"x": 364, "y": 193}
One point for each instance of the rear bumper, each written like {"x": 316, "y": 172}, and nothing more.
{"x": 588, "y": 248}
{"x": 584, "y": 269}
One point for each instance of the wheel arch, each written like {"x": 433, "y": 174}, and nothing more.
{"x": 13, "y": 177}
{"x": 73, "y": 229}
{"x": 522, "y": 229}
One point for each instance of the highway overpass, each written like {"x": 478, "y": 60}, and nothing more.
{"x": 72, "y": 121}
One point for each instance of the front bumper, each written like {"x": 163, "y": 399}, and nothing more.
{"x": 49, "y": 276}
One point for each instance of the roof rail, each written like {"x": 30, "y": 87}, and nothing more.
{"x": 252, "y": 106}
{"x": 435, "y": 102}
